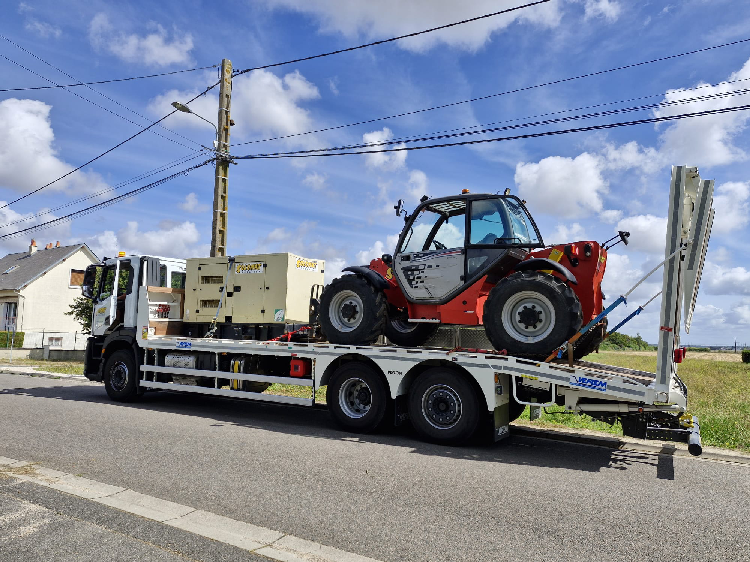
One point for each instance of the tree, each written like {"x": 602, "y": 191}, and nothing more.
{"x": 82, "y": 309}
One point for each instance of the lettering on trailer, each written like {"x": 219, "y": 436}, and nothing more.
{"x": 183, "y": 345}
{"x": 589, "y": 383}
{"x": 255, "y": 267}
{"x": 307, "y": 265}
{"x": 396, "y": 373}
{"x": 502, "y": 430}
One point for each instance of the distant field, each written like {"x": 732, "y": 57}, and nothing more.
{"x": 718, "y": 393}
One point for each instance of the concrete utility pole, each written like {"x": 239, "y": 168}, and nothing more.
{"x": 221, "y": 181}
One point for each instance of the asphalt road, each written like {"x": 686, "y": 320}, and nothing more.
{"x": 389, "y": 497}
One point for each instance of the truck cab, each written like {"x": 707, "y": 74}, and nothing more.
{"x": 113, "y": 287}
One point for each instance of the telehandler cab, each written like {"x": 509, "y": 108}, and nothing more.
{"x": 468, "y": 260}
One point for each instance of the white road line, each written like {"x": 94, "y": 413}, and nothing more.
{"x": 260, "y": 540}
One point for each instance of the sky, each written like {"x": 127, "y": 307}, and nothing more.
{"x": 578, "y": 186}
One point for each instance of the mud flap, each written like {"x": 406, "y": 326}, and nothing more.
{"x": 502, "y": 419}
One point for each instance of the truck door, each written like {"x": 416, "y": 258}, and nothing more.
{"x": 105, "y": 301}
{"x": 429, "y": 264}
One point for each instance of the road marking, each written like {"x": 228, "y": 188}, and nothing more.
{"x": 260, "y": 540}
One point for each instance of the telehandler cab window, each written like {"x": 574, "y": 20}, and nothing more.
{"x": 501, "y": 222}
{"x": 437, "y": 227}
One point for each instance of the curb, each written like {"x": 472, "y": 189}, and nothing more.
{"x": 628, "y": 444}
{"x": 31, "y": 372}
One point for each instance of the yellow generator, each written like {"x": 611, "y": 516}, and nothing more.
{"x": 264, "y": 294}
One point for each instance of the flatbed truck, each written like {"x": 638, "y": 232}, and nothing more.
{"x": 446, "y": 394}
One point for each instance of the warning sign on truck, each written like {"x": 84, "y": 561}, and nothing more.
{"x": 255, "y": 267}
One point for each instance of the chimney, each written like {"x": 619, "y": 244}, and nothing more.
{"x": 58, "y": 244}
{"x": 32, "y": 247}
{"x": 48, "y": 246}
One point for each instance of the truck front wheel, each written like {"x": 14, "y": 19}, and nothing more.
{"x": 120, "y": 376}
{"x": 357, "y": 397}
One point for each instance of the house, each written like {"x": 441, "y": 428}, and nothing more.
{"x": 37, "y": 288}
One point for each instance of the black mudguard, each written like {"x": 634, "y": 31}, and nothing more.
{"x": 373, "y": 277}
{"x": 539, "y": 264}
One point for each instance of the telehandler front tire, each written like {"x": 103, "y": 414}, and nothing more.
{"x": 352, "y": 312}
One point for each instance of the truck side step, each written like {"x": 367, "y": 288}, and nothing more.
{"x": 225, "y": 392}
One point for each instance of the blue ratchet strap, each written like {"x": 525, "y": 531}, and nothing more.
{"x": 632, "y": 315}
{"x": 621, "y": 299}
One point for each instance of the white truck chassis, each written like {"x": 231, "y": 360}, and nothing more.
{"x": 447, "y": 394}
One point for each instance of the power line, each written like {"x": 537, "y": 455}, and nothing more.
{"x": 118, "y": 145}
{"x": 105, "y": 96}
{"x": 96, "y": 104}
{"x": 103, "y": 204}
{"x": 439, "y": 136}
{"x": 239, "y": 72}
{"x": 184, "y": 160}
{"x": 506, "y": 92}
{"x": 516, "y": 137}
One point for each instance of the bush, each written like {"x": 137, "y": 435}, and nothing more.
{"x": 746, "y": 355}
{"x": 618, "y": 341}
{"x": 7, "y": 337}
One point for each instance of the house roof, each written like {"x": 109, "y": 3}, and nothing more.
{"x": 33, "y": 266}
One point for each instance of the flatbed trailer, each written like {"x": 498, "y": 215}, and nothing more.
{"x": 447, "y": 394}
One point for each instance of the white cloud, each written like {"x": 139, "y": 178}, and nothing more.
{"x": 732, "y": 205}
{"x": 333, "y": 85}
{"x": 720, "y": 280}
{"x": 708, "y": 140}
{"x": 21, "y": 243}
{"x": 333, "y": 269}
{"x": 607, "y": 9}
{"x": 28, "y": 159}
{"x": 647, "y": 233}
{"x": 315, "y": 181}
{"x": 171, "y": 239}
{"x": 153, "y": 49}
{"x": 387, "y": 18}
{"x": 610, "y": 216}
{"x": 619, "y": 277}
{"x": 567, "y": 188}
{"x": 387, "y": 161}
{"x": 377, "y": 249}
{"x": 192, "y": 205}
{"x": 261, "y": 103}
{"x": 418, "y": 184}
{"x": 564, "y": 233}
{"x": 42, "y": 29}
{"x": 631, "y": 155}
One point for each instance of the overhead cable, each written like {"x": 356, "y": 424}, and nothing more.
{"x": 516, "y": 137}
{"x": 380, "y": 42}
{"x": 118, "y": 145}
{"x": 105, "y": 96}
{"x": 103, "y": 204}
{"x": 180, "y": 161}
{"x": 592, "y": 115}
{"x": 506, "y": 92}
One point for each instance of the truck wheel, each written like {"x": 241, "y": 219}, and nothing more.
{"x": 357, "y": 397}
{"x": 530, "y": 313}
{"x": 443, "y": 407}
{"x": 121, "y": 376}
{"x": 352, "y": 312}
{"x": 401, "y": 332}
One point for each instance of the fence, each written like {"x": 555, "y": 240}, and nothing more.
{"x": 55, "y": 340}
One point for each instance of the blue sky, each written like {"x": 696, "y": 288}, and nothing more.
{"x": 578, "y": 186}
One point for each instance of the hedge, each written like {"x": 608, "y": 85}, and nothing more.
{"x": 746, "y": 355}
{"x": 7, "y": 337}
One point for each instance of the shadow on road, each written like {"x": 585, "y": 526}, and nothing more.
{"x": 316, "y": 423}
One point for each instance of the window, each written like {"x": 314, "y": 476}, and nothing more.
{"x": 437, "y": 227}
{"x": 162, "y": 276}
{"x": 108, "y": 284}
{"x": 178, "y": 280}
{"x": 76, "y": 277}
{"x": 11, "y": 268}
{"x": 523, "y": 229}
{"x": 54, "y": 342}
{"x": 489, "y": 221}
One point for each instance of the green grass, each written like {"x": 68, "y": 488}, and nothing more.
{"x": 65, "y": 367}
{"x": 718, "y": 393}
{"x": 297, "y": 391}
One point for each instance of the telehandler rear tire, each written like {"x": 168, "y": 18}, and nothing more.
{"x": 352, "y": 312}
{"x": 529, "y": 313}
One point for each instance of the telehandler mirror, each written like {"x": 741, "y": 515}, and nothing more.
{"x": 400, "y": 210}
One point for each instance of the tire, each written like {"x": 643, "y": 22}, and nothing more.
{"x": 443, "y": 407}
{"x": 121, "y": 376}
{"x": 529, "y": 313}
{"x": 590, "y": 340}
{"x": 352, "y": 312}
{"x": 357, "y": 397}
{"x": 408, "y": 334}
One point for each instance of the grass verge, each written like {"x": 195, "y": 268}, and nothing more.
{"x": 65, "y": 367}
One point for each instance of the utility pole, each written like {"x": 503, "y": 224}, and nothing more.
{"x": 221, "y": 179}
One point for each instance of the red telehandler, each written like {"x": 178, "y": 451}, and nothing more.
{"x": 472, "y": 259}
